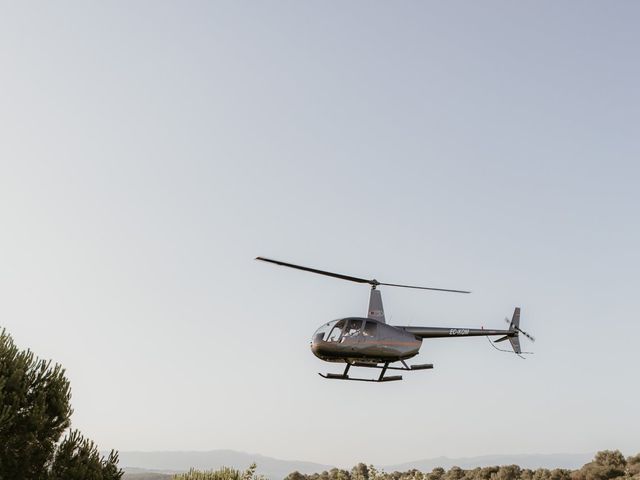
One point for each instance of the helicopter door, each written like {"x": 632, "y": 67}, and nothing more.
{"x": 370, "y": 330}
{"x": 352, "y": 332}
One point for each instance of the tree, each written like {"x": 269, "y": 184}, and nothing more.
{"x": 295, "y": 476}
{"x": 542, "y": 474}
{"x": 487, "y": 473}
{"x": 560, "y": 474}
{"x": 633, "y": 466}
{"x": 607, "y": 464}
{"x": 35, "y": 410}
{"x": 339, "y": 474}
{"x": 526, "y": 474}
{"x": 374, "y": 474}
{"x": 360, "y": 472}
{"x": 224, "y": 473}
{"x": 508, "y": 472}
{"x": 78, "y": 458}
{"x": 436, "y": 474}
{"x": 454, "y": 473}
{"x": 612, "y": 459}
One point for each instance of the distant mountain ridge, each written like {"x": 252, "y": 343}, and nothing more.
{"x": 273, "y": 468}
{"x": 172, "y": 462}
{"x": 532, "y": 461}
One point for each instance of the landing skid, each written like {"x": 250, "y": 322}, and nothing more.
{"x": 381, "y": 378}
{"x": 337, "y": 376}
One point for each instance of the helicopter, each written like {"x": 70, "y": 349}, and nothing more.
{"x": 369, "y": 342}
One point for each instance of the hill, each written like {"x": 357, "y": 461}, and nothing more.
{"x": 553, "y": 460}
{"x": 158, "y": 465}
{"x": 136, "y": 463}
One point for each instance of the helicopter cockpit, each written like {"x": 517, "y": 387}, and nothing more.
{"x": 344, "y": 328}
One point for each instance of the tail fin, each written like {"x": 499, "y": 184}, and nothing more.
{"x": 514, "y": 329}
{"x": 376, "y": 311}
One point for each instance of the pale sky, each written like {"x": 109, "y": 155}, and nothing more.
{"x": 150, "y": 150}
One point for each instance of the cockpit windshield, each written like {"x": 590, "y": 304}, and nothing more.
{"x": 345, "y": 329}
{"x": 336, "y": 331}
{"x": 330, "y": 332}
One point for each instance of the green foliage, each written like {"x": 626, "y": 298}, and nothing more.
{"x": 35, "y": 410}
{"x": 436, "y": 474}
{"x": 77, "y": 458}
{"x": 633, "y": 467}
{"x": 360, "y": 472}
{"x": 606, "y": 465}
{"x": 454, "y": 473}
{"x": 508, "y": 472}
{"x": 295, "y": 476}
{"x": 222, "y": 474}
{"x": 147, "y": 476}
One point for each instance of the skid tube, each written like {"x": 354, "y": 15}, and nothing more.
{"x": 381, "y": 378}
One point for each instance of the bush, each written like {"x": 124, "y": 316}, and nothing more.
{"x": 606, "y": 465}
{"x": 222, "y": 474}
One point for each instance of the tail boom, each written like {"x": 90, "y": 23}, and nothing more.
{"x": 512, "y": 334}
{"x": 444, "y": 332}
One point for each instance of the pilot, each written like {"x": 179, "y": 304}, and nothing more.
{"x": 354, "y": 329}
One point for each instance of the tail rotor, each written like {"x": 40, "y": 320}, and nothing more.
{"x": 517, "y": 328}
{"x": 514, "y": 333}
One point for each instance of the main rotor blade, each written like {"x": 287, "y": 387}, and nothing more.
{"x": 424, "y": 288}
{"x": 372, "y": 282}
{"x": 321, "y": 272}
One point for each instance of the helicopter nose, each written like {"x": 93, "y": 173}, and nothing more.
{"x": 316, "y": 347}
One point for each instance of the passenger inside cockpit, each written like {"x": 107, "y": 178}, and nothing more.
{"x": 353, "y": 329}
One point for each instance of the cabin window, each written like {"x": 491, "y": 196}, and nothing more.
{"x": 370, "y": 329}
{"x": 353, "y": 329}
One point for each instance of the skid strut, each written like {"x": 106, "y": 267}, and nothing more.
{"x": 405, "y": 367}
